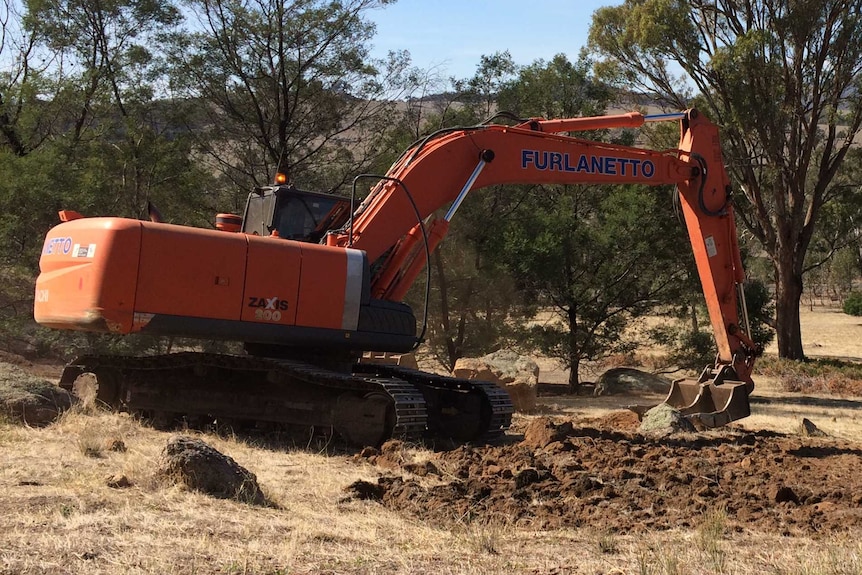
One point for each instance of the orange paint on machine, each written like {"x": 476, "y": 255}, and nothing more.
{"x": 88, "y": 275}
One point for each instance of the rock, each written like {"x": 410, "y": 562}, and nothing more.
{"x": 31, "y": 400}
{"x": 808, "y": 429}
{"x": 542, "y": 432}
{"x": 625, "y": 379}
{"x": 195, "y": 464}
{"x": 118, "y": 481}
{"x": 664, "y": 418}
{"x": 517, "y": 374}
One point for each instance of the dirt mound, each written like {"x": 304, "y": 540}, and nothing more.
{"x": 570, "y": 475}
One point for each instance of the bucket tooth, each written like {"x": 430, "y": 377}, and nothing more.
{"x": 707, "y": 404}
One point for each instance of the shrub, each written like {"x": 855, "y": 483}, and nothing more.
{"x": 686, "y": 349}
{"x": 761, "y": 309}
{"x": 831, "y": 376}
{"x": 853, "y": 303}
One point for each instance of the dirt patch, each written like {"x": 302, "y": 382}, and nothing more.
{"x": 576, "y": 474}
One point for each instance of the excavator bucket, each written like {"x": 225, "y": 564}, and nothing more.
{"x": 709, "y": 404}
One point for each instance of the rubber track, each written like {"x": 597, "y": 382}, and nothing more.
{"x": 410, "y": 412}
{"x": 499, "y": 400}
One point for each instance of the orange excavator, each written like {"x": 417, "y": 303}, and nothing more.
{"x": 309, "y": 281}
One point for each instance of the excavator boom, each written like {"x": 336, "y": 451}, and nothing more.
{"x": 443, "y": 169}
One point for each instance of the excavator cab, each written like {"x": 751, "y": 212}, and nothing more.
{"x": 293, "y": 214}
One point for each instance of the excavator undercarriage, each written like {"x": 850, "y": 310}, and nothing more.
{"x": 365, "y": 406}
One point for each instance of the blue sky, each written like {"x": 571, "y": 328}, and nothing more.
{"x": 451, "y": 35}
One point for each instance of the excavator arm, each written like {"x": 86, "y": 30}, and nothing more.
{"x": 440, "y": 170}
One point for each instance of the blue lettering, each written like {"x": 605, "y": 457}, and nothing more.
{"x": 541, "y": 160}
{"x": 58, "y": 245}
{"x": 648, "y": 169}
{"x": 527, "y": 156}
{"x": 583, "y": 165}
{"x": 622, "y": 163}
{"x": 557, "y": 161}
{"x": 541, "y": 164}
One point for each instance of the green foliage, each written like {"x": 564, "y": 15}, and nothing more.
{"x": 288, "y": 87}
{"x": 555, "y": 89}
{"x": 592, "y": 255}
{"x": 589, "y": 255}
{"x": 686, "y": 348}
{"x": 493, "y": 75}
{"x": 766, "y": 103}
{"x": 101, "y": 134}
{"x": 29, "y": 202}
{"x": 853, "y": 304}
{"x": 689, "y": 346}
{"x": 761, "y": 311}
{"x": 473, "y": 304}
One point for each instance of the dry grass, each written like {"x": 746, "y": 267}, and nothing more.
{"x": 57, "y": 515}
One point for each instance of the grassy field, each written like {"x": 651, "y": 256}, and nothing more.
{"x": 58, "y": 513}
{"x": 59, "y": 516}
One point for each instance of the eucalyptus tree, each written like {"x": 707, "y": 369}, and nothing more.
{"x": 86, "y": 122}
{"x": 594, "y": 256}
{"x": 782, "y": 80}
{"x": 116, "y": 125}
{"x": 288, "y": 86}
{"x": 104, "y": 57}
{"x": 16, "y": 70}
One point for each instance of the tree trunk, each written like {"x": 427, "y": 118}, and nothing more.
{"x": 574, "y": 380}
{"x": 788, "y": 296}
{"x": 574, "y": 352}
{"x": 445, "y": 325}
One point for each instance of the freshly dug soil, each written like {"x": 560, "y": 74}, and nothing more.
{"x": 605, "y": 474}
